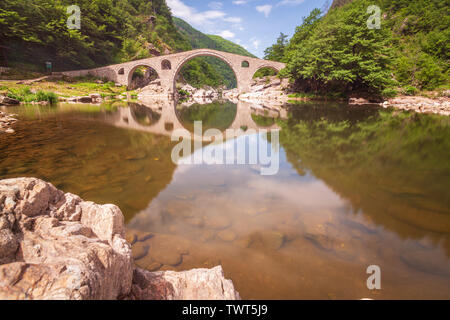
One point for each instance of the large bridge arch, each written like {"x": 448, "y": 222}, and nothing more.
{"x": 202, "y": 53}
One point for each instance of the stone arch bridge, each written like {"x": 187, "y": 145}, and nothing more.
{"x": 169, "y": 66}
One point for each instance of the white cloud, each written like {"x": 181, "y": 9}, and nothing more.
{"x": 265, "y": 9}
{"x": 233, "y": 19}
{"x": 290, "y": 2}
{"x": 255, "y": 43}
{"x": 193, "y": 16}
{"x": 239, "y": 2}
{"x": 227, "y": 34}
{"x": 215, "y": 5}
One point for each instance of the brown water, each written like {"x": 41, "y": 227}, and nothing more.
{"x": 356, "y": 187}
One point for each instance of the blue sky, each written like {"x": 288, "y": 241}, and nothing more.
{"x": 254, "y": 24}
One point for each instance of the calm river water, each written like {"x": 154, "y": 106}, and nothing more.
{"x": 357, "y": 186}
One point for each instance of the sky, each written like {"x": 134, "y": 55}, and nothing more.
{"x": 254, "y": 24}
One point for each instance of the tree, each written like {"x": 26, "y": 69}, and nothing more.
{"x": 276, "y": 51}
{"x": 339, "y": 52}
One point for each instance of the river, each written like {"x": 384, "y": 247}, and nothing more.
{"x": 356, "y": 187}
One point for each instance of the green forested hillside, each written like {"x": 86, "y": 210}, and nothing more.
{"x": 35, "y": 31}
{"x": 337, "y": 52}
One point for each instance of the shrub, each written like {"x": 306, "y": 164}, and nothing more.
{"x": 411, "y": 91}
{"x": 51, "y": 97}
{"x": 389, "y": 93}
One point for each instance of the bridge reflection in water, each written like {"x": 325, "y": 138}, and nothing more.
{"x": 160, "y": 117}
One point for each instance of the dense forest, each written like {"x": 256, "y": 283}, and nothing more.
{"x": 35, "y": 31}
{"x": 336, "y": 51}
{"x": 112, "y": 31}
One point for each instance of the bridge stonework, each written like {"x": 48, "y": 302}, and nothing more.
{"x": 169, "y": 66}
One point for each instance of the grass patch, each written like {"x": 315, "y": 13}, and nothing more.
{"x": 67, "y": 87}
{"x": 25, "y": 94}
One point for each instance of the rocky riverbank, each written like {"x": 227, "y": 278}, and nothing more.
{"x": 439, "y": 105}
{"x": 6, "y": 122}
{"x": 262, "y": 89}
{"x": 54, "y": 245}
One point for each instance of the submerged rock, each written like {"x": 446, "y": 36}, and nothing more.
{"x": 227, "y": 235}
{"x": 424, "y": 260}
{"x": 5, "y": 122}
{"x": 217, "y": 222}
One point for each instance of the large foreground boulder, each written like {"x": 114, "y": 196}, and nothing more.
{"x": 54, "y": 245}
{"x": 57, "y": 246}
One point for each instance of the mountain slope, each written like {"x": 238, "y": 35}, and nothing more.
{"x": 199, "y": 40}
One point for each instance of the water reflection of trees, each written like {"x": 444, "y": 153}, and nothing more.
{"x": 218, "y": 115}
{"x": 392, "y": 166}
{"x": 143, "y": 115}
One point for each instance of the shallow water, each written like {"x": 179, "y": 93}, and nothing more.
{"x": 356, "y": 187}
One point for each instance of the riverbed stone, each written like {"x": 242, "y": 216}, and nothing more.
{"x": 148, "y": 263}
{"x": 167, "y": 257}
{"x": 140, "y": 250}
{"x": 330, "y": 238}
{"x": 272, "y": 240}
{"x": 168, "y": 249}
{"x": 243, "y": 242}
{"x": 179, "y": 209}
{"x": 194, "y": 221}
{"x": 218, "y": 222}
{"x": 424, "y": 260}
{"x": 207, "y": 235}
{"x": 227, "y": 235}
{"x": 138, "y": 235}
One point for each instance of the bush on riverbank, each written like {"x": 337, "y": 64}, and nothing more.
{"x": 24, "y": 94}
